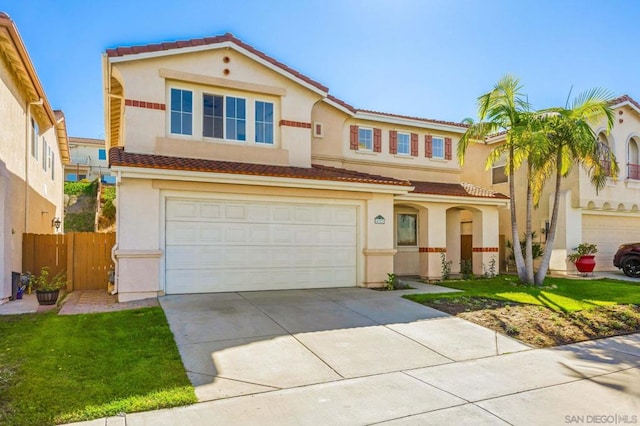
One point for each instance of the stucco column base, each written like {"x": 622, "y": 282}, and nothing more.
{"x": 431, "y": 265}
{"x": 378, "y": 263}
{"x": 138, "y": 274}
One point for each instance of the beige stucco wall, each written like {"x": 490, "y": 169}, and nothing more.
{"x": 147, "y": 130}
{"x": 333, "y": 149}
{"x": 29, "y": 197}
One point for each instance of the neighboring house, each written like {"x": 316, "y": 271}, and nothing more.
{"x": 88, "y": 161}
{"x": 235, "y": 172}
{"x": 608, "y": 217}
{"x": 33, "y": 149}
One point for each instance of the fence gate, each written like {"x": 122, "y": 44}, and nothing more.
{"x": 84, "y": 256}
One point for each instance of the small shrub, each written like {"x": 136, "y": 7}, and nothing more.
{"x": 466, "y": 269}
{"x": 446, "y": 266}
{"x": 391, "y": 282}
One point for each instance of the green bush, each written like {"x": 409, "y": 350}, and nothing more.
{"x": 82, "y": 187}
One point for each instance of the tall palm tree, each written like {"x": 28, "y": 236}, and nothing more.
{"x": 571, "y": 140}
{"x": 503, "y": 109}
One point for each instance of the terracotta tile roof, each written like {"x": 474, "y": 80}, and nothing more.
{"x": 228, "y": 37}
{"x": 455, "y": 189}
{"x": 87, "y": 141}
{"x": 428, "y": 120}
{"x": 4, "y": 15}
{"x": 624, "y": 98}
{"x": 341, "y": 102}
{"x": 119, "y": 157}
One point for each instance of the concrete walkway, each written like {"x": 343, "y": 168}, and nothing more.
{"x": 356, "y": 356}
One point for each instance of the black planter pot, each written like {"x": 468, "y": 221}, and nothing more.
{"x": 47, "y": 297}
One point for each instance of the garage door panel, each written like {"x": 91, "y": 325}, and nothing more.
{"x": 214, "y": 246}
{"x": 608, "y": 232}
{"x": 222, "y": 280}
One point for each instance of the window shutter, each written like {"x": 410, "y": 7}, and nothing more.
{"x": 428, "y": 146}
{"x": 393, "y": 142}
{"x": 377, "y": 140}
{"x": 353, "y": 138}
{"x": 414, "y": 144}
{"x": 447, "y": 148}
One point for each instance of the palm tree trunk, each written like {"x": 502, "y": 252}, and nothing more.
{"x": 517, "y": 248}
{"x": 551, "y": 235}
{"x": 528, "y": 261}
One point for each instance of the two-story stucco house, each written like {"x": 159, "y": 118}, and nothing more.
{"x": 608, "y": 217}
{"x": 33, "y": 150}
{"x": 236, "y": 172}
{"x": 88, "y": 161}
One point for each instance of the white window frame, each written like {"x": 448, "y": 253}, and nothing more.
{"x": 224, "y": 127}
{"x": 433, "y": 147}
{"x": 318, "y": 129}
{"x": 364, "y": 147}
{"x": 35, "y": 135}
{"x": 408, "y": 137}
{"x": 45, "y": 145}
{"x": 417, "y": 233}
{"x": 255, "y": 122}
{"x": 171, "y": 111}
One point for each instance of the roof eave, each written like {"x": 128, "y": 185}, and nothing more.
{"x": 457, "y": 199}
{"x": 408, "y": 122}
{"x": 261, "y": 180}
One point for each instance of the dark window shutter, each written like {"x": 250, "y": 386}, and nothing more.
{"x": 353, "y": 138}
{"x": 428, "y": 146}
{"x": 377, "y": 140}
{"x": 447, "y": 148}
{"x": 414, "y": 144}
{"x": 393, "y": 142}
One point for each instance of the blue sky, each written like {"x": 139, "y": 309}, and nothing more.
{"x": 427, "y": 58}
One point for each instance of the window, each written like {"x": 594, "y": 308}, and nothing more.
{"x": 407, "y": 229}
{"x": 181, "y": 111}
{"x": 212, "y": 116}
{"x": 499, "y": 175}
{"x": 52, "y": 164}
{"x": 318, "y": 129}
{"x": 404, "y": 143}
{"x": 236, "y": 118}
{"x": 264, "y": 122}
{"x": 34, "y": 138}
{"x": 365, "y": 139}
{"x": 102, "y": 154}
{"x": 71, "y": 177}
{"x": 438, "y": 147}
{"x": 44, "y": 154}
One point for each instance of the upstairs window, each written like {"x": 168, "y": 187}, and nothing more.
{"x": 499, "y": 174}
{"x": 404, "y": 143}
{"x": 52, "y": 164}
{"x": 45, "y": 145}
{"x": 365, "y": 139}
{"x": 264, "y": 122}
{"x": 35, "y": 131}
{"x": 102, "y": 154}
{"x": 212, "y": 116}
{"x": 438, "y": 147}
{"x": 236, "y": 118}
{"x": 181, "y": 112}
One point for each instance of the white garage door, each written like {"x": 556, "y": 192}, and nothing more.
{"x": 222, "y": 245}
{"x": 609, "y": 232}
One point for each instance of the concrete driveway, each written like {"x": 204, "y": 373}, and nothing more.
{"x": 357, "y": 357}
{"x": 246, "y": 343}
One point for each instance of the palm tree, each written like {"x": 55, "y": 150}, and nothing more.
{"x": 503, "y": 109}
{"x": 571, "y": 140}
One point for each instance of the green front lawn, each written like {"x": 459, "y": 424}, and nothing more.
{"x": 59, "y": 369}
{"x": 559, "y": 294}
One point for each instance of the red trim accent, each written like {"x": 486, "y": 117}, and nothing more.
{"x": 299, "y": 124}
{"x": 428, "y": 146}
{"x": 142, "y": 104}
{"x": 485, "y": 249}
{"x": 377, "y": 140}
{"x": 432, "y": 249}
{"x": 353, "y": 137}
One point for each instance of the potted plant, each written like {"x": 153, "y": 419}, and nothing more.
{"x": 584, "y": 257}
{"x": 48, "y": 288}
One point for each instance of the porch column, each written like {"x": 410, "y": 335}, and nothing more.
{"x": 568, "y": 233}
{"x": 378, "y": 251}
{"x": 453, "y": 239}
{"x": 435, "y": 237}
{"x": 485, "y": 239}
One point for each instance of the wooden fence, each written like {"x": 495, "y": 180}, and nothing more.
{"x": 84, "y": 256}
